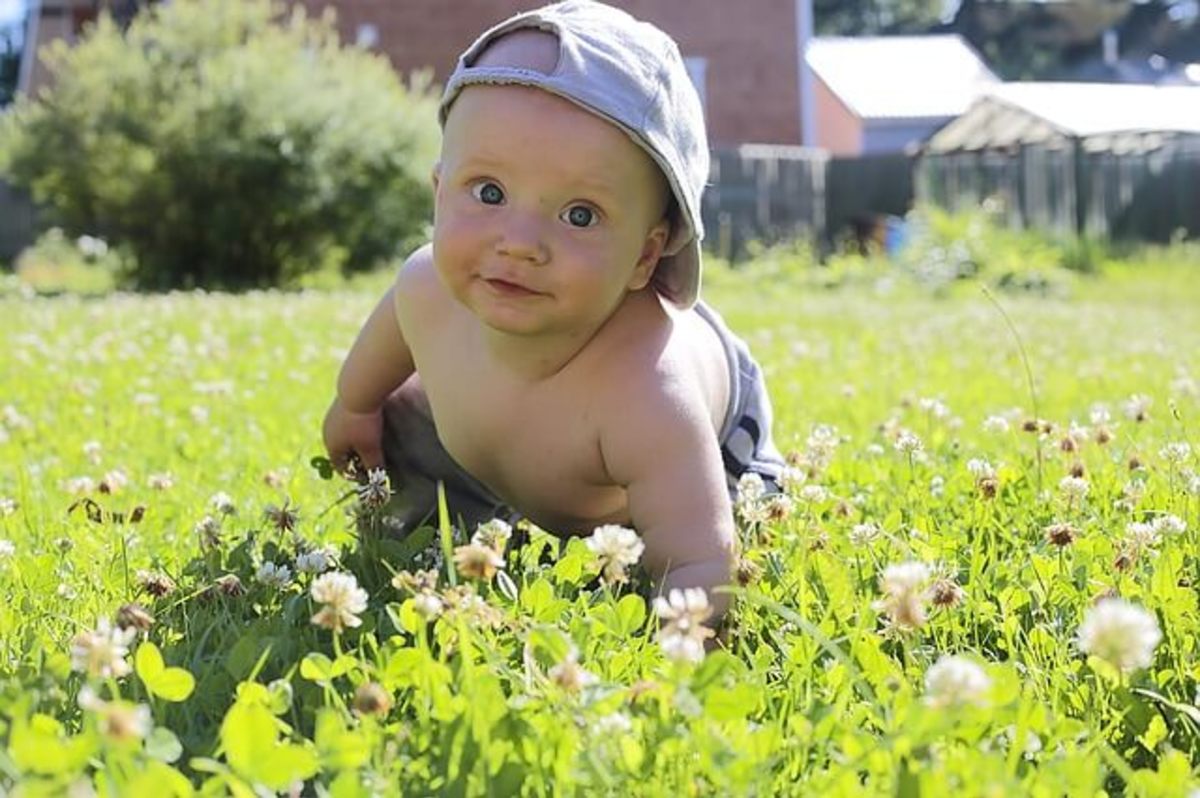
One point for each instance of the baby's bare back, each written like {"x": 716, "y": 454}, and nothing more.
{"x": 537, "y": 444}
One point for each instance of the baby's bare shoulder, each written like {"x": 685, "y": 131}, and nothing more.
{"x": 419, "y": 292}
{"x": 659, "y": 364}
{"x": 417, "y": 276}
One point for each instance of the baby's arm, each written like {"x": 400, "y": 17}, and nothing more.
{"x": 661, "y": 446}
{"x": 378, "y": 363}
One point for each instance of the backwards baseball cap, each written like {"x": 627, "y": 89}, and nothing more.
{"x": 629, "y": 73}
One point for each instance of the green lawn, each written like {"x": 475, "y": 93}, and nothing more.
{"x": 826, "y": 683}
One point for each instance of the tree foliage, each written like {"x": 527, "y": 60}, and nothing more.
{"x": 871, "y": 17}
{"x": 224, "y": 143}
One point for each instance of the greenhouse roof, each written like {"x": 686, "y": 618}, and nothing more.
{"x": 900, "y": 77}
{"x": 1104, "y": 115}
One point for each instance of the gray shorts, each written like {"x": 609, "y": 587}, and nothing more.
{"x": 417, "y": 461}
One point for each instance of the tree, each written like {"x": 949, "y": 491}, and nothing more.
{"x": 226, "y": 144}
{"x": 871, "y": 17}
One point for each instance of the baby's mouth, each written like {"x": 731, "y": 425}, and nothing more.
{"x": 508, "y": 288}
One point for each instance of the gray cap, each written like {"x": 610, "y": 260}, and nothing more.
{"x": 629, "y": 73}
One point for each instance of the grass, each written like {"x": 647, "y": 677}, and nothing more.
{"x": 196, "y": 406}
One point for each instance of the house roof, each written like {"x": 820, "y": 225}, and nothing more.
{"x": 900, "y": 77}
{"x": 1105, "y": 115}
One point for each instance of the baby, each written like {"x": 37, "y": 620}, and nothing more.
{"x": 545, "y": 355}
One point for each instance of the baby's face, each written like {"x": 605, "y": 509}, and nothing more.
{"x": 546, "y": 215}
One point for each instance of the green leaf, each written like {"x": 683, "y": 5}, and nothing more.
{"x": 163, "y": 745}
{"x": 148, "y": 662}
{"x": 170, "y": 684}
{"x": 340, "y": 748}
{"x": 316, "y": 667}
{"x": 38, "y": 746}
{"x": 631, "y": 610}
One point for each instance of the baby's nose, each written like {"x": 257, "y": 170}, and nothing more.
{"x": 522, "y": 238}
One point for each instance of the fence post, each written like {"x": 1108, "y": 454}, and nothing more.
{"x": 1080, "y": 181}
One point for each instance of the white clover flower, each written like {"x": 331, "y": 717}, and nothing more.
{"x": 494, "y": 534}
{"x": 92, "y": 450}
{"x": 199, "y": 413}
{"x": 477, "y": 562}
{"x": 1142, "y": 535}
{"x": 80, "y": 485}
{"x": 1168, "y": 524}
{"x": 1137, "y": 407}
{"x": 933, "y": 407}
{"x": 342, "y": 598}
{"x": 316, "y": 561}
{"x": 118, "y": 720}
{"x": 427, "y": 605}
{"x": 1099, "y": 414}
{"x": 679, "y": 647}
{"x": 955, "y": 681}
{"x": 208, "y": 529}
{"x": 813, "y": 494}
{"x": 791, "y": 479}
{"x": 376, "y": 491}
{"x": 750, "y": 488}
{"x": 222, "y": 503}
{"x": 100, "y": 653}
{"x": 612, "y": 725}
{"x": 907, "y": 442}
{"x": 162, "y": 481}
{"x": 272, "y": 575}
{"x": 1177, "y": 454}
{"x": 616, "y": 548}
{"x": 996, "y": 424}
{"x": 569, "y": 675}
{"x": 1185, "y": 385}
{"x": 874, "y": 449}
{"x": 145, "y": 399}
{"x": 12, "y": 418}
{"x": 1074, "y": 488}
{"x": 682, "y": 614}
{"x": 863, "y": 534}
{"x": 822, "y": 443}
{"x": 1192, "y": 485}
{"x": 903, "y": 587}
{"x": 1077, "y": 432}
{"x": 7, "y": 549}
{"x": 937, "y": 486}
{"x": 114, "y": 481}
{"x": 980, "y": 468}
{"x": 1119, "y": 632}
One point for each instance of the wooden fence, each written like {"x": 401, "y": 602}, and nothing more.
{"x": 18, "y": 222}
{"x": 1149, "y": 195}
{"x": 767, "y": 194}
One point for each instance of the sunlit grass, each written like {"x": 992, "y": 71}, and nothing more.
{"x": 199, "y": 406}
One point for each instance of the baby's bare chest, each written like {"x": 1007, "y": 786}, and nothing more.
{"x": 537, "y": 448}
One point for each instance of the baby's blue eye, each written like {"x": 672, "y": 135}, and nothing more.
{"x": 488, "y": 193}
{"x": 580, "y": 216}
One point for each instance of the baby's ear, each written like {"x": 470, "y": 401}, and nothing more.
{"x": 652, "y": 251}
{"x": 435, "y": 175}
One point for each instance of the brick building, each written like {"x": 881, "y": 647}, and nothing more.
{"x": 744, "y": 59}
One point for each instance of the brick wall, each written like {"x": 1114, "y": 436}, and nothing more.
{"x": 750, "y": 48}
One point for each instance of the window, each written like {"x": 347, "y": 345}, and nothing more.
{"x": 367, "y": 36}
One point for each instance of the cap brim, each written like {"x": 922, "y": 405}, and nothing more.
{"x": 677, "y": 276}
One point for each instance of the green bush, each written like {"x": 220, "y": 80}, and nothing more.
{"x": 226, "y": 144}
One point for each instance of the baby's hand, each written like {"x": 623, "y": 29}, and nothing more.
{"x": 348, "y": 433}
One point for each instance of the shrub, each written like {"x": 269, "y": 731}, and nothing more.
{"x": 56, "y": 264}
{"x": 225, "y": 144}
